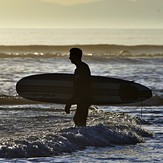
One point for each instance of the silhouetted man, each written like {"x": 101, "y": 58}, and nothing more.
{"x": 82, "y": 88}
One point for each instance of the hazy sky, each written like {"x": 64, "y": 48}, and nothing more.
{"x": 81, "y": 13}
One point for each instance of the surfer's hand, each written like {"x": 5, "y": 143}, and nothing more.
{"x": 67, "y": 108}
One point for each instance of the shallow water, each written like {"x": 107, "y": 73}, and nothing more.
{"x": 49, "y": 132}
{"x": 46, "y": 122}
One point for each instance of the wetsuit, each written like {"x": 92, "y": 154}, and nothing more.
{"x": 82, "y": 93}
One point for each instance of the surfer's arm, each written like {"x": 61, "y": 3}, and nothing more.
{"x": 77, "y": 84}
{"x": 68, "y": 104}
{"x": 72, "y": 99}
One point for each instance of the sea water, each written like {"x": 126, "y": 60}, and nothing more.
{"x": 38, "y": 132}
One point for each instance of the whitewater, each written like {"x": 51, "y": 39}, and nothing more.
{"x": 42, "y": 132}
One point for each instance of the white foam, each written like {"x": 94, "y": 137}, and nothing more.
{"x": 103, "y": 130}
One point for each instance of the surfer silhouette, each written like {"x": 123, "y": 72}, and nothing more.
{"x": 81, "y": 88}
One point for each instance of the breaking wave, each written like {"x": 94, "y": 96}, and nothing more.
{"x": 89, "y": 50}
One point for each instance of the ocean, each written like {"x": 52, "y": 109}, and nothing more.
{"x": 42, "y": 132}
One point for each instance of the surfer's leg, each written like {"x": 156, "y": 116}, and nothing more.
{"x": 81, "y": 114}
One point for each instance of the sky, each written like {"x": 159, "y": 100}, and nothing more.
{"x": 81, "y": 13}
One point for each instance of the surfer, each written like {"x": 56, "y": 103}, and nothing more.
{"x": 81, "y": 89}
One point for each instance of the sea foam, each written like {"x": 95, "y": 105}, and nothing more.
{"x": 104, "y": 129}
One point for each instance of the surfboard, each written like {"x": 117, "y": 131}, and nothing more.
{"x": 58, "y": 88}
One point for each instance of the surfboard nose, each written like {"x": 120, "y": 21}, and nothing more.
{"x": 134, "y": 92}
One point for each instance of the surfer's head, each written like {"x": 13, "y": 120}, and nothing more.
{"x": 75, "y": 55}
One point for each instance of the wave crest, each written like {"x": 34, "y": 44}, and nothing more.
{"x": 89, "y": 50}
